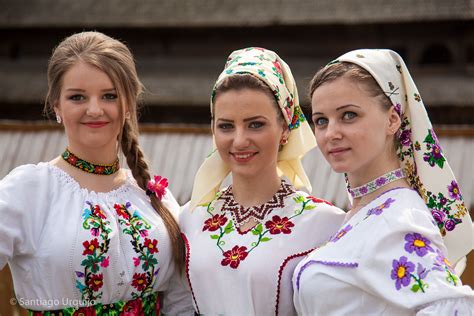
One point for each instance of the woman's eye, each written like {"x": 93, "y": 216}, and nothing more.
{"x": 320, "y": 121}
{"x": 224, "y": 126}
{"x": 76, "y": 97}
{"x": 349, "y": 115}
{"x": 110, "y": 96}
{"x": 256, "y": 124}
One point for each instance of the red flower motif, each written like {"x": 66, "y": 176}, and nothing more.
{"x": 279, "y": 225}
{"x": 121, "y": 211}
{"x": 158, "y": 186}
{"x": 234, "y": 256}
{"x": 99, "y": 169}
{"x": 139, "y": 281}
{"x": 95, "y": 282}
{"x": 151, "y": 245}
{"x": 98, "y": 212}
{"x": 316, "y": 200}
{"x": 90, "y": 247}
{"x": 84, "y": 311}
{"x": 72, "y": 160}
{"x": 214, "y": 223}
{"x": 133, "y": 308}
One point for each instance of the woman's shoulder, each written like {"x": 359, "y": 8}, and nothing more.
{"x": 27, "y": 174}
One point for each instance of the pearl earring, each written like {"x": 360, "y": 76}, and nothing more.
{"x": 58, "y": 119}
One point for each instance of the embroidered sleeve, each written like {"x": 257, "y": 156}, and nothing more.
{"x": 20, "y": 224}
{"x": 405, "y": 262}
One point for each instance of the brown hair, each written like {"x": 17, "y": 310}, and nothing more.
{"x": 358, "y": 74}
{"x": 245, "y": 81}
{"x": 114, "y": 59}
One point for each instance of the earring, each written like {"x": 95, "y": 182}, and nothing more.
{"x": 58, "y": 119}
{"x": 284, "y": 141}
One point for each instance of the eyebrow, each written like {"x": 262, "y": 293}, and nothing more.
{"x": 342, "y": 107}
{"x": 246, "y": 119}
{"x": 82, "y": 90}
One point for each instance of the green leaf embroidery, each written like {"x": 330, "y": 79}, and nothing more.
{"x": 415, "y": 288}
{"x": 265, "y": 239}
{"x": 228, "y": 228}
{"x": 214, "y": 236}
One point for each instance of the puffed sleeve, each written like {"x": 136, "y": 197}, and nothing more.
{"x": 177, "y": 299}
{"x": 21, "y": 199}
{"x": 405, "y": 264}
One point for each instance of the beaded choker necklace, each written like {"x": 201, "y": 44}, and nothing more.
{"x": 377, "y": 183}
{"x": 89, "y": 167}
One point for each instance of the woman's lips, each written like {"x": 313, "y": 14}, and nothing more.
{"x": 97, "y": 124}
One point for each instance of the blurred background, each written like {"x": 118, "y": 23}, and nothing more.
{"x": 180, "y": 47}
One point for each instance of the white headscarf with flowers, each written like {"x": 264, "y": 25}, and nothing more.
{"x": 267, "y": 66}
{"x": 420, "y": 154}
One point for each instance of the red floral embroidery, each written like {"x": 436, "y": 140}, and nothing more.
{"x": 139, "y": 281}
{"x": 151, "y": 245}
{"x": 72, "y": 159}
{"x": 90, "y": 247}
{"x": 84, "y": 311}
{"x": 95, "y": 282}
{"x": 99, "y": 213}
{"x": 99, "y": 169}
{"x": 121, "y": 211}
{"x": 214, "y": 223}
{"x": 279, "y": 225}
{"x": 133, "y": 308}
{"x": 234, "y": 256}
{"x": 316, "y": 200}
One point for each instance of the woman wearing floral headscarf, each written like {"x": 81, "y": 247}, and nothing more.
{"x": 243, "y": 241}
{"x": 389, "y": 257}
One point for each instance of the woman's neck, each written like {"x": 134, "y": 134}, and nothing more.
{"x": 255, "y": 190}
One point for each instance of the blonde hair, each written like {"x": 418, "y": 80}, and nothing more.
{"x": 114, "y": 59}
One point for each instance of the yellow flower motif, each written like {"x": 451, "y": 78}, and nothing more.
{"x": 462, "y": 211}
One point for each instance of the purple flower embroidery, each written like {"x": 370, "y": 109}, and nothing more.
{"x": 439, "y": 216}
{"x": 405, "y": 137}
{"x": 363, "y": 190}
{"x": 454, "y": 191}
{"x": 418, "y": 243}
{"x": 380, "y": 181}
{"x": 401, "y": 272}
{"x": 341, "y": 233}
{"x": 441, "y": 262}
{"x": 398, "y": 109}
{"x": 421, "y": 271}
{"x": 450, "y": 225}
{"x": 379, "y": 209}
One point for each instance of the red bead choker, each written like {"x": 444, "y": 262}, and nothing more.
{"x": 89, "y": 167}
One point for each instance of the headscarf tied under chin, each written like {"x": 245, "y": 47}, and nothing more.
{"x": 273, "y": 71}
{"x": 427, "y": 169}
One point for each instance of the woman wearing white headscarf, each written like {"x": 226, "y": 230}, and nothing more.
{"x": 408, "y": 220}
{"x": 243, "y": 241}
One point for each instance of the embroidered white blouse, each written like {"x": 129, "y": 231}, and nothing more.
{"x": 66, "y": 245}
{"x": 388, "y": 259}
{"x": 249, "y": 273}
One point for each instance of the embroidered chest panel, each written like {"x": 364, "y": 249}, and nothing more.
{"x": 276, "y": 219}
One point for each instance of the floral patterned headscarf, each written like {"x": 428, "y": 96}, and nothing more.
{"x": 267, "y": 66}
{"x": 427, "y": 169}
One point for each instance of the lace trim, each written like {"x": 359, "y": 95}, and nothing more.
{"x": 242, "y": 215}
{"x": 326, "y": 263}
{"x": 65, "y": 178}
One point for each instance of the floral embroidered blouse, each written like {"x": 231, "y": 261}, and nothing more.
{"x": 69, "y": 247}
{"x": 236, "y": 272}
{"x": 388, "y": 259}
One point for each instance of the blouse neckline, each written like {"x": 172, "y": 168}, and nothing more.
{"x": 67, "y": 179}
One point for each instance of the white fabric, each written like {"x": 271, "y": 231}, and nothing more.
{"x": 352, "y": 273}
{"x": 42, "y": 235}
{"x": 251, "y": 288}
